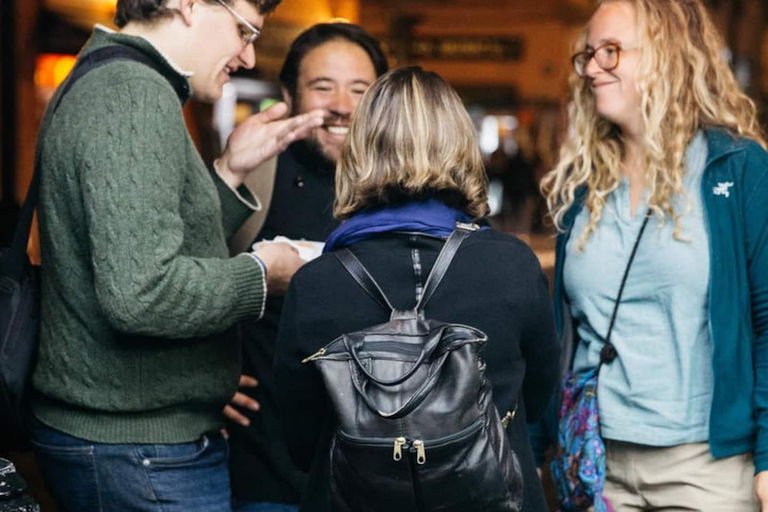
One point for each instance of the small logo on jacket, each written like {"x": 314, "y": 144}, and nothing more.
{"x": 723, "y": 189}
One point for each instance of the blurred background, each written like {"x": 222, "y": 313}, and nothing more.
{"x": 508, "y": 59}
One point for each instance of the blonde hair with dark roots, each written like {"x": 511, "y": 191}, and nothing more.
{"x": 685, "y": 86}
{"x": 410, "y": 137}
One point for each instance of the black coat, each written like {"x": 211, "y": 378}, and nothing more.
{"x": 261, "y": 470}
{"x": 495, "y": 283}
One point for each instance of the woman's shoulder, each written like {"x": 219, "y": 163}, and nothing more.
{"x": 722, "y": 142}
{"x": 318, "y": 267}
{"x": 742, "y": 160}
{"x": 504, "y": 246}
{"x": 484, "y": 250}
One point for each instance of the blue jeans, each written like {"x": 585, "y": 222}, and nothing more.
{"x": 94, "y": 477}
{"x": 253, "y": 506}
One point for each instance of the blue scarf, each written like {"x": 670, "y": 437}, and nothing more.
{"x": 432, "y": 217}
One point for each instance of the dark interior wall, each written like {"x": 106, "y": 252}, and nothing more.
{"x": 7, "y": 119}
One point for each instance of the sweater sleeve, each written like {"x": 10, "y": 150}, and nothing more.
{"x": 134, "y": 164}
{"x": 236, "y": 205}
{"x": 756, "y": 229}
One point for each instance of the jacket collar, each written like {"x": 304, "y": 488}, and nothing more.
{"x": 721, "y": 142}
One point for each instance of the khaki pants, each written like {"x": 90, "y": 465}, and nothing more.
{"x": 677, "y": 478}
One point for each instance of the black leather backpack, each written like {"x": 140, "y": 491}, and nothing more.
{"x": 417, "y": 429}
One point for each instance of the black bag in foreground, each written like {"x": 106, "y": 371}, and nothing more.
{"x": 19, "y": 289}
{"x": 417, "y": 430}
{"x": 19, "y": 321}
{"x": 13, "y": 490}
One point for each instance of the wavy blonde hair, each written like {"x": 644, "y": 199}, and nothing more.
{"x": 685, "y": 86}
{"x": 410, "y": 137}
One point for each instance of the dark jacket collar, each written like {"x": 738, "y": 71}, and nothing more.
{"x": 721, "y": 142}
{"x": 309, "y": 160}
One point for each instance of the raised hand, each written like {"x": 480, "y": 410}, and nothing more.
{"x": 261, "y": 137}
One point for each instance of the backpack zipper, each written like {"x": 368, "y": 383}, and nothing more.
{"x": 404, "y": 348}
{"x": 400, "y": 442}
{"x": 477, "y": 425}
{"x": 415, "y": 479}
{"x": 416, "y": 446}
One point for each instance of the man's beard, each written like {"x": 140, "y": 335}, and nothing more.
{"x": 312, "y": 146}
{"x": 315, "y": 151}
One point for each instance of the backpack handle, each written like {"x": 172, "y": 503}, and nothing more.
{"x": 414, "y": 401}
{"x": 425, "y": 352}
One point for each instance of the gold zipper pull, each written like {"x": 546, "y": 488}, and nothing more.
{"x": 421, "y": 454}
{"x": 313, "y": 356}
{"x": 507, "y": 419}
{"x": 398, "y": 453}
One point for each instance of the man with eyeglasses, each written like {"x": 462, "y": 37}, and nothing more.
{"x": 137, "y": 358}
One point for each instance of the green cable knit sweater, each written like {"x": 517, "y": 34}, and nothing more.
{"x": 138, "y": 291}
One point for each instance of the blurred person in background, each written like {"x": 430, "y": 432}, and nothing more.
{"x": 659, "y": 125}
{"x": 136, "y": 360}
{"x": 328, "y": 67}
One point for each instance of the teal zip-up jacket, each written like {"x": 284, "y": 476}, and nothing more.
{"x": 735, "y": 198}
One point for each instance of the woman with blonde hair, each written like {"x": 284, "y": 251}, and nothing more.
{"x": 660, "y": 201}
{"x": 411, "y": 169}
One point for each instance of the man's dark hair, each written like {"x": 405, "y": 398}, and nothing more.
{"x": 151, "y": 10}
{"x": 320, "y": 34}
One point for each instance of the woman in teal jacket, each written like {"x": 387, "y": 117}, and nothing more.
{"x": 660, "y": 129}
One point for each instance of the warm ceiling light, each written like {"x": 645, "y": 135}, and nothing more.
{"x": 51, "y": 69}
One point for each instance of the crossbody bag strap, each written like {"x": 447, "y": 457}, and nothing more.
{"x": 608, "y": 352}
{"x": 17, "y": 256}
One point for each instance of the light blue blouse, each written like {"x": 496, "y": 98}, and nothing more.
{"x": 658, "y": 391}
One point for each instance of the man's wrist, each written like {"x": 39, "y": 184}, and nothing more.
{"x": 261, "y": 264}
{"x": 221, "y": 166}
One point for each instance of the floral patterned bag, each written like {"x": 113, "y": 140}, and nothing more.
{"x": 578, "y": 466}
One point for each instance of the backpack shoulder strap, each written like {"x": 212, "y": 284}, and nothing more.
{"x": 98, "y": 58}
{"x": 363, "y": 277}
{"x": 444, "y": 260}
{"x": 17, "y": 254}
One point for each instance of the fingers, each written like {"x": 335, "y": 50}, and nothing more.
{"x": 277, "y": 111}
{"x": 282, "y": 272}
{"x": 246, "y": 381}
{"x": 271, "y": 253}
{"x": 243, "y": 400}
{"x": 235, "y": 417}
{"x": 262, "y": 136}
{"x": 282, "y": 261}
{"x": 298, "y": 127}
